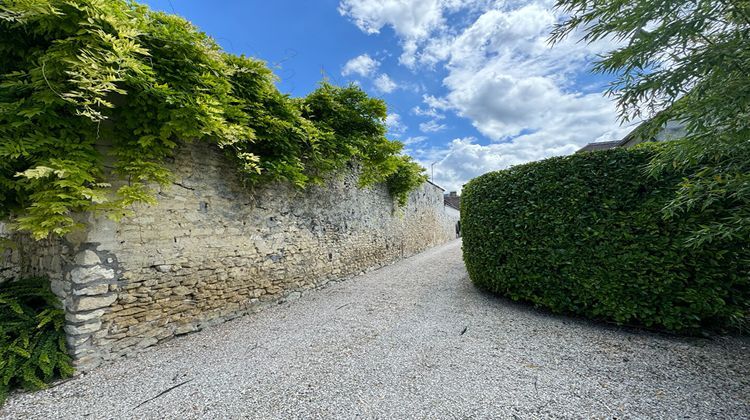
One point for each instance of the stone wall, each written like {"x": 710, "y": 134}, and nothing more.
{"x": 20, "y": 256}
{"x": 212, "y": 250}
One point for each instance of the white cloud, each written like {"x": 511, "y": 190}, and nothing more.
{"x": 435, "y": 102}
{"x": 500, "y": 74}
{"x": 414, "y": 140}
{"x": 431, "y": 126}
{"x": 366, "y": 66}
{"x": 505, "y": 78}
{"x": 394, "y": 124}
{"x": 501, "y": 105}
{"x": 363, "y": 65}
{"x": 384, "y": 84}
{"x": 427, "y": 112}
{"x": 412, "y": 20}
{"x": 463, "y": 158}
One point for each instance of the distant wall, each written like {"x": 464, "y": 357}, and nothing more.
{"x": 212, "y": 250}
{"x": 453, "y": 213}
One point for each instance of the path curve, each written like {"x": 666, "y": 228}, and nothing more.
{"x": 412, "y": 340}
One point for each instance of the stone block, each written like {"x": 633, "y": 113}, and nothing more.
{"x": 84, "y": 316}
{"x": 89, "y": 303}
{"x": 86, "y": 328}
{"x": 87, "y": 363}
{"x": 164, "y": 268}
{"x": 293, "y": 296}
{"x": 75, "y": 341}
{"x": 59, "y": 288}
{"x": 83, "y": 275}
{"x": 129, "y": 311}
{"x": 182, "y": 291}
{"x": 97, "y": 289}
{"x": 146, "y": 342}
{"x": 87, "y": 257}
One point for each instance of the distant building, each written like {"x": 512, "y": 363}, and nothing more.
{"x": 600, "y": 145}
{"x": 452, "y": 204}
{"x": 452, "y": 199}
{"x": 671, "y": 131}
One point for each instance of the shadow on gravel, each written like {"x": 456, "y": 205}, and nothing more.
{"x": 529, "y": 309}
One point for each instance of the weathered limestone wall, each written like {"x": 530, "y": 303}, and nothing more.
{"x": 452, "y": 213}
{"x": 20, "y": 256}
{"x": 211, "y": 250}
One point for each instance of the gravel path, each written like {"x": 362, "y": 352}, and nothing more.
{"x": 411, "y": 340}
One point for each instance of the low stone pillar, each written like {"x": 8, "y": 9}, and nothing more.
{"x": 93, "y": 286}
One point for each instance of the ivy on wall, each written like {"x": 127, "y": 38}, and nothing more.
{"x": 89, "y": 82}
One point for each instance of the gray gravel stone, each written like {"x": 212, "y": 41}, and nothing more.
{"x": 411, "y": 340}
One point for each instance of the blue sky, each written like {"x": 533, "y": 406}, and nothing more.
{"x": 471, "y": 85}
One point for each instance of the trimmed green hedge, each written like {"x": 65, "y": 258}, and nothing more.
{"x": 585, "y": 234}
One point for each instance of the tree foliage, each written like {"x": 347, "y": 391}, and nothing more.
{"x": 89, "y": 87}
{"x": 407, "y": 177}
{"x": 687, "y": 61}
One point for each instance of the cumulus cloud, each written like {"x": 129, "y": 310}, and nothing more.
{"x": 501, "y": 105}
{"x": 410, "y": 19}
{"x": 414, "y": 140}
{"x": 427, "y": 112}
{"x": 465, "y": 158}
{"x": 363, "y": 65}
{"x": 413, "y": 21}
{"x": 506, "y": 78}
{"x": 501, "y": 74}
{"x": 384, "y": 84}
{"x": 431, "y": 126}
{"x": 395, "y": 126}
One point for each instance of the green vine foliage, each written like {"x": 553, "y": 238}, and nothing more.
{"x": 89, "y": 87}
{"x": 32, "y": 340}
{"x": 409, "y": 176}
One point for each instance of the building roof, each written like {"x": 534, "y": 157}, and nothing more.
{"x": 452, "y": 201}
{"x": 669, "y": 130}
{"x": 451, "y": 205}
{"x": 601, "y": 145}
{"x": 435, "y": 185}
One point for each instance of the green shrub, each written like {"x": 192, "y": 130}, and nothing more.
{"x": 32, "y": 340}
{"x": 586, "y": 234}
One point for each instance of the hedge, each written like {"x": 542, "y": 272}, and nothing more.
{"x": 585, "y": 234}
